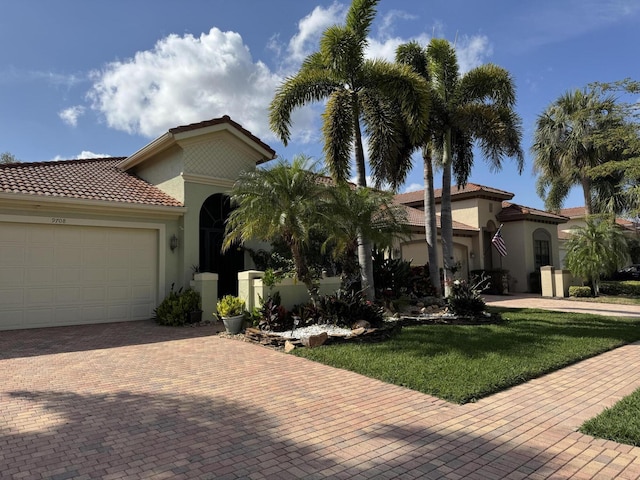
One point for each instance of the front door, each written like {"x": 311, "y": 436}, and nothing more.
{"x": 213, "y": 216}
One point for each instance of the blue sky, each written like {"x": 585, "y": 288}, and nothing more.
{"x": 80, "y": 79}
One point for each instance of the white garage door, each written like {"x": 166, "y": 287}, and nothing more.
{"x": 54, "y": 275}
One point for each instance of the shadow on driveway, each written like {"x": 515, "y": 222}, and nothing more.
{"x": 47, "y": 341}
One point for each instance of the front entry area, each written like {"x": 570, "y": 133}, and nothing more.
{"x": 213, "y": 215}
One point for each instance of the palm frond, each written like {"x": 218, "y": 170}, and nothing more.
{"x": 337, "y": 129}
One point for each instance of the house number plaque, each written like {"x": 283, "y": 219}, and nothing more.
{"x": 58, "y": 220}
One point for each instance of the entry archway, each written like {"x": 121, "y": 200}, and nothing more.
{"x": 213, "y": 216}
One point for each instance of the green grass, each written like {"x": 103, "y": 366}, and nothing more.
{"x": 464, "y": 363}
{"x": 620, "y": 423}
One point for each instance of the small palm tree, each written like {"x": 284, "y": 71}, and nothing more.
{"x": 357, "y": 91}
{"x": 279, "y": 203}
{"x": 597, "y": 248}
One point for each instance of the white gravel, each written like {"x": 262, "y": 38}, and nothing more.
{"x": 305, "y": 332}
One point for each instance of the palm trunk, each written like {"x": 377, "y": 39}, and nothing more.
{"x": 430, "y": 221}
{"x": 586, "y": 191}
{"x": 365, "y": 248}
{"x": 446, "y": 221}
{"x": 302, "y": 272}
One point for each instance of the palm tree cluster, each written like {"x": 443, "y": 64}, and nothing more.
{"x": 293, "y": 202}
{"x": 394, "y": 102}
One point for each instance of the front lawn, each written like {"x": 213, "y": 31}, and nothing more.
{"x": 464, "y": 363}
{"x": 620, "y": 423}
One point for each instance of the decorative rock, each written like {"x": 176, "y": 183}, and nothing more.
{"x": 361, "y": 324}
{"x": 420, "y": 304}
{"x": 289, "y": 347}
{"x": 358, "y": 331}
{"x": 315, "y": 340}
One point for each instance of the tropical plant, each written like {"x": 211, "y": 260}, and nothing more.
{"x": 390, "y": 100}
{"x": 466, "y": 299}
{"x": 570, "y": 139}
{"x": 279, "y": 203}
{"x": 177, "y": 306}
{"x": 349, "y": 211}
{"x": 598, "y": 248}
{"x": 477, "y": 106}
{"x": 230, "y": 306}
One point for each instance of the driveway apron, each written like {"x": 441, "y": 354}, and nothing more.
{"x": 139, "y": 401}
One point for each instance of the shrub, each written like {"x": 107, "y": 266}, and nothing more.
{"x": 273, "y": 316}
{"x": 576, "y": 291}
{"x": 230, "y": 306}
{"x": 344, "y": 307}
{"x": 628, "y": 287}
{"x": 465, "y": 299}
{"x": 175, "y": 309}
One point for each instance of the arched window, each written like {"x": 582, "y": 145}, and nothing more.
{"x": 541, "y": 248}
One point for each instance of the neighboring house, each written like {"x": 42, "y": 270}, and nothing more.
{"x": 478, "y": 211}
{"x": 577, "y": 216}
{"x": 90, "y": 241}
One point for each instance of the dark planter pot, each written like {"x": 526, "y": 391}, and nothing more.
{"x": 233, "y": 325}
{"x": 195, "y": 316}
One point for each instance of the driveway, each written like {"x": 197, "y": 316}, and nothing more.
{"x": 141, "y": 401}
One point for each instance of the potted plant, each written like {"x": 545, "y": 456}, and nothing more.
{"x": 231, "y": 309}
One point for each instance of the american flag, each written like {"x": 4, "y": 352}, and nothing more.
{"x": 498, "y": 242}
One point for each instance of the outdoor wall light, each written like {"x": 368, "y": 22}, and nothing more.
{"x": 472, "y": 255}
{"x": 173, "y": 242}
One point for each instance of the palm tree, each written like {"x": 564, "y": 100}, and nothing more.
{"x": 279, "y": 203}
{"x": 415, "y": 56}
{"x": 373, "y": 212}
{"x": 374, "y": 92}
{"x": 566, "y": 145}
{"x": 477, "y": 106}
{"x": 597, "y": 248}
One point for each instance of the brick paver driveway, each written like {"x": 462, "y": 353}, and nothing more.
{"x": 141, "y": 401}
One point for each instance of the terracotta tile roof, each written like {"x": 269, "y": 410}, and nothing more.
{"x": 469, "y": 190}
{"x": 415, "y": 218}
{"x": 218, "y": 121}
{"x": 512, "y": 211}
{"x": 92, "y": 179}
{"x": 573, "y": 212}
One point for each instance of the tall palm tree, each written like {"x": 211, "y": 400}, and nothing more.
{"x": 374, "y": 92}
{"x": 279, "y": 203}
{"x": 597, "y": 248}
{"x": 477, "y": 106}
{"x": 566, "y": 145}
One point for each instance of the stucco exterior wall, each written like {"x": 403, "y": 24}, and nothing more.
{"x": 415, "y": 250}
{"x": 165, "y": 172}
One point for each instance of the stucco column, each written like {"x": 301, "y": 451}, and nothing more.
{"x": 246, "y": 287}
{"x": 547, "y": 281}
{"x": 207, "y": 284}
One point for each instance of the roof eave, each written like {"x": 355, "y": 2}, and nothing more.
{"x": 156, "y": 146}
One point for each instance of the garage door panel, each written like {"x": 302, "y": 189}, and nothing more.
{"x": 11, "y": 276}
{"x": 11, "y": 298}
{"x": 40, "y": 296}
{"x": 13, "y": 255}
{"x": 39, "y": 276}
{"x": 68, "y": 275}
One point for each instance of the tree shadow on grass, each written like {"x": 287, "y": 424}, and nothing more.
{"x": 53, "y": 340}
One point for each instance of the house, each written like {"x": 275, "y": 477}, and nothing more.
{"x": 577, "y": 218}
{"x": 478, "y": 211}
{"x": 100, "y": 240}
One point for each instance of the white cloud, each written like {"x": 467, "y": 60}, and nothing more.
{"x": 413, "y": 187}
{"x": 70, "y": 115}
{"x": 472, "y": 51}
{"x": 185, "y": 79}
{"x": 83, "y": 155}
{"x": 310, "y": 29}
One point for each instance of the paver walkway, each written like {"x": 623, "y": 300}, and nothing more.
{"x": 141, "y": 401}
